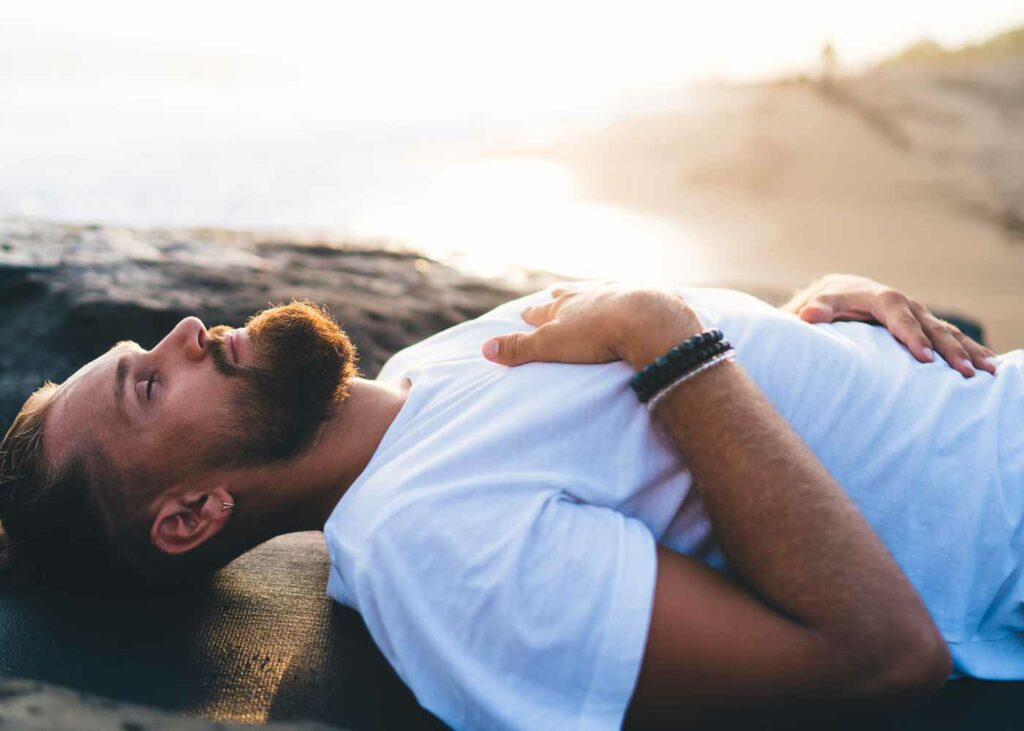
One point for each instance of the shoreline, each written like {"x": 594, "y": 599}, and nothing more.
{"x": 914, "y": 177}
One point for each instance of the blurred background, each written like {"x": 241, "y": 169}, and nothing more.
{"x": 737, "y": 143}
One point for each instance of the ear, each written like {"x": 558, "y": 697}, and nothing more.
{"x": 185, "y": 521}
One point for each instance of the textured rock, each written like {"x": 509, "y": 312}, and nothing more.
{"x": 69, "y": 292}
{"x": 29, "y": 705}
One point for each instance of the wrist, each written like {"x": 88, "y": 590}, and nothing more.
{"x": 654, "y": 329}
{"x": 682, "y": 363}
{"x": 714, "y": 377}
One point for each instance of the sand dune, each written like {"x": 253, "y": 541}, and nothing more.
{"x": 911, "y": 174}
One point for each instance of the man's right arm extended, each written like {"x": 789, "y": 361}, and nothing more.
{"x": 824, "y": 616}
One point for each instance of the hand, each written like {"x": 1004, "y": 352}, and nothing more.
{"x": 849, "y": 297}
{"x": 598, "y": 325}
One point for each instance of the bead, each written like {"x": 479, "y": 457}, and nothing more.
{"x": 681, "y": 361}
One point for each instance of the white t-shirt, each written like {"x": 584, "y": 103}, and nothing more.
{"x": 500, "y": 544}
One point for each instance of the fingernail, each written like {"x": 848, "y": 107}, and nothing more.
{"x": 967, "y": 364}
{"x": 993, "y": 361}
{"x": 929, "y": 354}
{"x": 491, "y": 349}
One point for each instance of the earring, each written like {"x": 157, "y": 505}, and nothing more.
{"x": 227, "y": 506}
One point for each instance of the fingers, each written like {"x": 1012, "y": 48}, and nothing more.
{"x": 980, "y": 356}
{"x": 507, "y": 350}
{"x": 816, "y": 313}
{"x": 827, "y": 307}
{"x": 541, "y": 314}
{"x": 959, "y": 351}
{"x": 536, "y": 315}
{"x": 917, "y": 328}
{"x": 921, "y": 332}
{"x": 546, "y": 311}
{"x": 903, "y": 319}
{"x": 516, "y": 348}
{"x": 911, "y": 323}
{"x": 952, "y": 350}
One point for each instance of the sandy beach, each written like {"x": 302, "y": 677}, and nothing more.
{"x": 913, "y": 175}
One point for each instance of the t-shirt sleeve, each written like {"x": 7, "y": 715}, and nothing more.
{"x": 523, "y": 612}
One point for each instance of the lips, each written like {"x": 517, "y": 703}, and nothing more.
{"x": 232, "y": 347}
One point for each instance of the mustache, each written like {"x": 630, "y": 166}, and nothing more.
{"x": 217, "y": 347}
{"x": 302, "y": 361}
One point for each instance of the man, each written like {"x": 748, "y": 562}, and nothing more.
{"x": 516, "y": 537}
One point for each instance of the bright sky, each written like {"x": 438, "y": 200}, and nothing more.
{"x": 363, "y": 117}
{"x": 445, "y": 58}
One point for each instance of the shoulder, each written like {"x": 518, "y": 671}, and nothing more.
{"x": 546, "y": 599}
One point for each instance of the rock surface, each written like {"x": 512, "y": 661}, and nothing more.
{"x": 67, "y": 293}
{"x": 28, "y": 705}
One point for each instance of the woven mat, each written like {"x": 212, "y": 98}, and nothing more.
{"x": 263, "y": 642}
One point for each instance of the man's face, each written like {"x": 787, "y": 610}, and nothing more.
{"x": 206, "y": 398}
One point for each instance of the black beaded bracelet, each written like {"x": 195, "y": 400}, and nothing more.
{"x": 688, "y": 355}
{"x": 664, "y": 378}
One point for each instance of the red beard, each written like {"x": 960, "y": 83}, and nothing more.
{"x": 303, "y": 362}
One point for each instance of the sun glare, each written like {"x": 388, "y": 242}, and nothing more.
{"x": 495, "y": 213}
{"x": 380, "y": 118}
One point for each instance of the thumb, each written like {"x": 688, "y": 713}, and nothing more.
{"x": 817, "y": 311}
{"x": 511, "y": 350}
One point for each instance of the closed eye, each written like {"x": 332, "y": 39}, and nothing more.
{"x": 149, "y": 387}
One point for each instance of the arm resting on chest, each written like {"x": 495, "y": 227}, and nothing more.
{"x": 824, "y": 617}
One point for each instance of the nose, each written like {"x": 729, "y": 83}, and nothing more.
{"x": 188, "y": 337}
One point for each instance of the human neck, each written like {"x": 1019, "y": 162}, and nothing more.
{"x": 300, "y": 494}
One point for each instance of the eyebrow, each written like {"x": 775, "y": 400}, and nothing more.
{"x": 120, "y": 376}
{"x": 128, "y": 347}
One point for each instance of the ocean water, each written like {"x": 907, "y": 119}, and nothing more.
{"x": 447, "y": 185}
{"x": 391, "y": 120}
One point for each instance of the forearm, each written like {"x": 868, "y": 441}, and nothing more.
{"x": 823, "y": 614}
{"x": 785, "y": 526}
